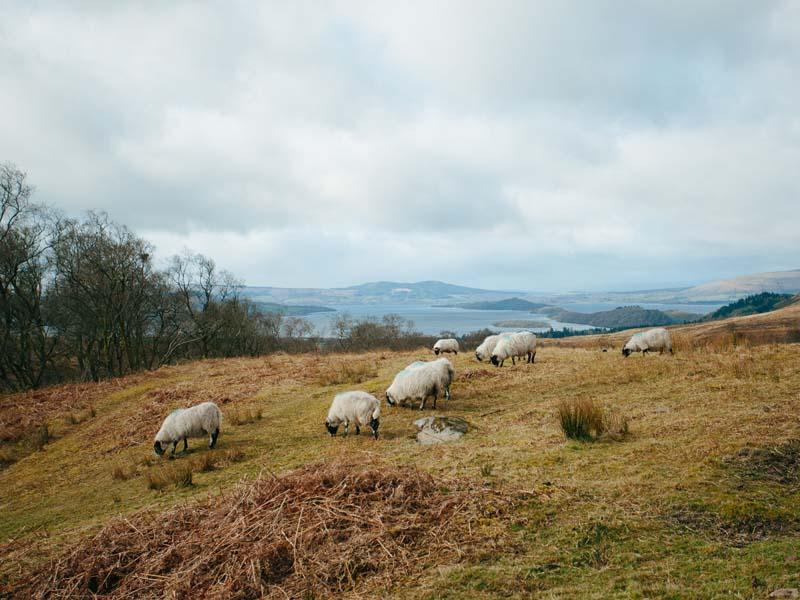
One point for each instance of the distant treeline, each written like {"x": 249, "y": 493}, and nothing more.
{"x": 82, "y": 300}
{"x": 751, "y": 305}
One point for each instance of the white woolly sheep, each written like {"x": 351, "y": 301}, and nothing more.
{"x": 522, "y": 343}
{"x": 197, "y": 421}
{"x": 420, "y": 380}
{"x": 648, "y": 341}
{"x": 446, "y": 345}
{"x": 484, "y": 351}
{"x": 359, "y": 408}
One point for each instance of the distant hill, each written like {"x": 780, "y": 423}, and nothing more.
{"x": 622, "y": 316}
{"x": 377, "y": 292}
{"x": 507, "y": 304}
{"x": 751, "y": 305}
{"x": 292, "y": 310}
{"x": 782, "y": 282}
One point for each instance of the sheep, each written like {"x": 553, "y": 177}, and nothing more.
{"x": 484, "y": 351}
{"x": 446, "y": 345}
{"x": 522, "y": 343}
{"x": 647, "y": 341}
{"x": 197, "y": 421}
{"x": 359, "y": 408}
{"x": 420, "y": 380}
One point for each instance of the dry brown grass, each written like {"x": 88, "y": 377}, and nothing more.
{"x": 351, "y": 371}
{"x": 585, "y": 420}
{"x": 243, "y": 415}
{"x": 178, "y": 474}
{"x": 324, "y": 529}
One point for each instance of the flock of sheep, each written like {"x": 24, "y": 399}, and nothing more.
{"x": 416, "y": 383}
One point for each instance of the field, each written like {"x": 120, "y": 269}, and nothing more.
{"x": 701, "y": 499}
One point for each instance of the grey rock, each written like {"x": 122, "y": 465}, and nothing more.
{"x": 785, "y": 593}
{"x": 436, "y": 430}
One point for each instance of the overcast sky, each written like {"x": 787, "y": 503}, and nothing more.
{"x": 539, "y": 146}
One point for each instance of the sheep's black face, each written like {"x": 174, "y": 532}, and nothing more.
{"x": 389, "y": 399}
{"x": 495, "y": 361}
{"x": 157, "y": 447}
{"x": 436, "y": 351}
{"x": 478, "y": 356}
{"x": 374, "y": 424}
{"x": 625, "y": 352}
{"x": 332, "y": 429}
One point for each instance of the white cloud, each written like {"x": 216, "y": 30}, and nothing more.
{"x": 516, "y": 144}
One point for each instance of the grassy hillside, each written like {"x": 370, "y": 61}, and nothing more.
{"x": 622, "y": 316}
{"x": 757, "y": 303}
{"x": 700, "y": 500}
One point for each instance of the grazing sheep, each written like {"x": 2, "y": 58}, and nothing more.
{"x": 447, "y": 345}
{"x": 522, "y": 343}
{"x": 181, "y": 424}
{"x": 359, "y": 408}
{"x": 420, "y": 380}
{"x": 649, "y": 341}
{"x": 484, "y": 351}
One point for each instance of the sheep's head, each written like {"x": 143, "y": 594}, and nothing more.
{"x": 478, "y": 356}
{"x": 159, "y": 450}
{"x": 389, "y": 398}
{"x": 374, "y": 424}
{"x": 626, "y": 352}
{"x": 436, "y": 351}
{"x": 495, "y": 360}
{"x": 332, "y": 429}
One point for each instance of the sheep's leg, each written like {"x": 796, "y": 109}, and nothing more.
{"x": 422, "y": 404}
{"x": 435, "y": 397}
{"x": 346, "y": 428}
{"x": 513, "y": 361}
{"x": 174, "y": 447}
{"x": 533, "y": 357}
{"x": 185, "y": 444}
{"x": 214, "y": 436}
{"x": 447, "y": 393}
{"x": 358, "y": 430}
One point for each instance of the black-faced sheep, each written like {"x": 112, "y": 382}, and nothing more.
{"x": 420, "y": 380}
{"x": 359, "y": 408}
{"x": 197, "y": 421}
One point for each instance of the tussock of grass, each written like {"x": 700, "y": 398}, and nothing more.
{"x": 234, "y": 455}
{"x": 243, "y": 415}
{"x": 39, "y": 437}
{"x": 585, "y": 420}
{"x": 122, "y": 472}
{"x": 204, "y": 463}
{"x": 350, "y": 371}
{"x": 179, "y": 475}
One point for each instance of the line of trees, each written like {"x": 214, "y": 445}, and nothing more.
{"x": 82, "y": 299}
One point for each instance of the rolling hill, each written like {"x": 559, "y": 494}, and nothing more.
{"x": 700, "y": 499}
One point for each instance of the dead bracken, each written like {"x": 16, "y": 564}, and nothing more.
{"x": 322, "y": 529}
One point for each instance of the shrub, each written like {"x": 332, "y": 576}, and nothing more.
{"x": 583, "y": 419}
